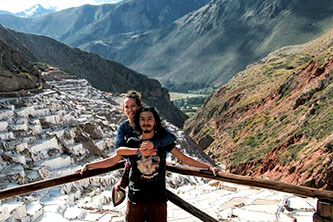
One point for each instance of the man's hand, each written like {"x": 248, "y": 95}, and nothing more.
{"x": 84, "y": 168}
{"x": 117, "y": 186}
{"x": 214, "y": 170}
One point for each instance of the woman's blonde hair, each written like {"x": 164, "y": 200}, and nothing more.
{"x": 132, "y": 94}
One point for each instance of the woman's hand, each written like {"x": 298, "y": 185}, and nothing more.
{"x": 147, "y": 145}
{"x": 147, "y": 152}
{"x": 147, "y": 148}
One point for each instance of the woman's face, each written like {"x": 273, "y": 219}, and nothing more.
{"x": 130, "y": 108}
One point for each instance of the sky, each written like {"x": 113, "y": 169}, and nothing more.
{"x": 21, "y": 5}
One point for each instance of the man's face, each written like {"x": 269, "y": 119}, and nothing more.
{"x": 130, "y": 108}
{"x": 147, "y": 121}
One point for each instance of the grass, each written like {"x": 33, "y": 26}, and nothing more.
{"x": 41, "y": 66}
{"x": 26, "y": 75}
{"x": 329, "y": 147}
{"x": 176, "y": 95}
{"x": 208, "y": 130}
{"x": 188, "y": 103}
{"x": 292, "y": 153}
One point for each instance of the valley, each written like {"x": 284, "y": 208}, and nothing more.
{"x": 185, "y": 44}
{"x": 56, "y": 131}
{"x": 188, "y": 103}
{"x": 246, "y": 85}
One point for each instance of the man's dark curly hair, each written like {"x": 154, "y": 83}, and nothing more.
{"x": 159, "y": 129}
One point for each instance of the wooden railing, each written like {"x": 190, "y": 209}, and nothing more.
{"x": 324, "y": 211}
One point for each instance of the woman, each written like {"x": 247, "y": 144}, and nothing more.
{"x": 147, "y": 189}
{"x": 126, "y": 129}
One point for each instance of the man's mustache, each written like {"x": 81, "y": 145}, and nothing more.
{"x": 146, "y": 125}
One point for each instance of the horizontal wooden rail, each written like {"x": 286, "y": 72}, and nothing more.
{"x": 31, "y": 187}
{"x": 192, "y": 171}
{"x": 39, "y": 185}
{"x": 250, "y": 181}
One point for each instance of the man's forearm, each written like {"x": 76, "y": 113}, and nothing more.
{"x": 104, "y": 163}
{"x": 196, "y": 163}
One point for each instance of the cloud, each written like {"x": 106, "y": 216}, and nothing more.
{"x": 14, "y": 6}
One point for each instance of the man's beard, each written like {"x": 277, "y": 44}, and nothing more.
{"x": 147, "y": 131}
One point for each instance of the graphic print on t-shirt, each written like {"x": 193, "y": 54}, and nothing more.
{"x": 148, "y": 166}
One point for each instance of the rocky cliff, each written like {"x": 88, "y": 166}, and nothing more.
{"x": 274, "y": 119}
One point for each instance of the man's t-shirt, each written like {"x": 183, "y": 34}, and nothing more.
{"x": 147, "y": 174}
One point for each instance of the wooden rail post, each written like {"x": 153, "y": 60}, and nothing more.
{"x": 324, "y": 211}
{"x": 189, "y": 208}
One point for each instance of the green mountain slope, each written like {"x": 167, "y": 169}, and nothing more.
{"x": 275, "y": 118}
{"x": 16, "y": 73}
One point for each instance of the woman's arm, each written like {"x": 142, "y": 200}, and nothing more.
{"x": 120, "y": 138}
{"x": 191, "y": 161}
{"x": 108, "y": 162}
{"x": 126, "y": 151}
{"x": 167, "y": 139}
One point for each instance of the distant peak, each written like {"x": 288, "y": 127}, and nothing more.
{"x": 34, "y": 11}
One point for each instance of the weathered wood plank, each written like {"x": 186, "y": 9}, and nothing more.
{"x": 243, "y": 180}
{"x": 31, "y": 187}
{"x": 250, "y": 181}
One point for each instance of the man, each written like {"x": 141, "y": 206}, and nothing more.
{"x": 147, "y": 188}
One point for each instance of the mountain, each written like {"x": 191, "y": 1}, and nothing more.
{"x": 2, "y": 12}
{"x": 208, "y": 46}
{"x": 76, "y": 26}
{"x": 16, "y": 73}
{"x": 34, "y": 11}
{"x": 185, "y": 44}
{"x": 101, "y": 73}
{"x": 274, "y": 119}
